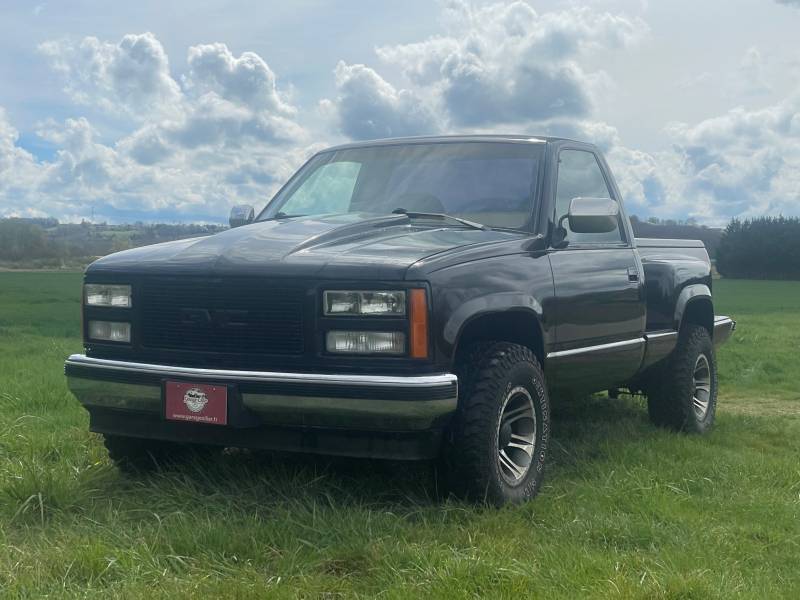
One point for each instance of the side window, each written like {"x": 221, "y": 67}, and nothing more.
{"x": 329, "y": 189}
{"x": 579, "y": 176}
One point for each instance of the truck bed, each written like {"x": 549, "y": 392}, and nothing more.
{"x": 668, "y": 243}
{"x": 669, "y": 266}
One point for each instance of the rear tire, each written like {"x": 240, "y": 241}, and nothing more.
{"x": 684, "y": 395}
{"x": 136, "y": 455}
{"x": 502, "y": 428}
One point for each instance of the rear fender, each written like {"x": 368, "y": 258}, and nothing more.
{"x": 697, "y": 292}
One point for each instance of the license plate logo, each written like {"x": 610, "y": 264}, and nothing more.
{"x": 197, "y": 403}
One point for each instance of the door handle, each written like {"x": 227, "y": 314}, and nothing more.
{"x": 633, "y": 275}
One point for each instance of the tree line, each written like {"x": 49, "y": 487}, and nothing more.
{"x": 760, "y": 248}
{"x": 48, "y": 243}
{"x": 21, "y": 240}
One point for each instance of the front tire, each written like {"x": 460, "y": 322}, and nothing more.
{"x": 502, "y": 427}
{"x": 684, "y": 397}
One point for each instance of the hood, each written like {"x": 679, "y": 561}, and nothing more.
{"x": 350, "y": 246}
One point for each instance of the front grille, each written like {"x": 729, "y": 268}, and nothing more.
{"x": 220, "y": 315}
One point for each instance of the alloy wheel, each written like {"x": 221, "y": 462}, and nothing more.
{"x": 701, "y": 396}
{"x": 516, "y": 435}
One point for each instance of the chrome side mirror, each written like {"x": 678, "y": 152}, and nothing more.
{"x": 241, "y": 214}
{"x": 593, "y": 215}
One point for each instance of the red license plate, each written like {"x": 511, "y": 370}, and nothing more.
{"x": 196, "y": 403}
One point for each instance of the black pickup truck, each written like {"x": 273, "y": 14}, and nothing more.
{"x": 419, "y": 298}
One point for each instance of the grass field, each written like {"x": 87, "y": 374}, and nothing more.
{"x": 627, "y": 510}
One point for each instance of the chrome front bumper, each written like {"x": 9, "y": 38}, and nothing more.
{"x": 358, "y": 402}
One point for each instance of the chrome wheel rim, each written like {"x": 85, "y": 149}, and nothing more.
{"x": 516, "y": 435}
{"x": 701, "y": 398}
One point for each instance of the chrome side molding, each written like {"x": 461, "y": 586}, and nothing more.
{"x": 660, "y": 336}
{"x": 723, "y": 328}
{"x": 598, "y": 348}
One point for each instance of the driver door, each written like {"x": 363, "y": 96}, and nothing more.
{"x": 599, "y": 303}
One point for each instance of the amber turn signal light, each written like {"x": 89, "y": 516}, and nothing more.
{"x": 419, "y": 324}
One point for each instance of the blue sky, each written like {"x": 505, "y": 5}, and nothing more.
{"x": 176, "y": 111}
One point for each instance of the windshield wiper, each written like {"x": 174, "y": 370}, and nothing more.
{"x": 426, "y": 215}
{"x": 282, "y": 215}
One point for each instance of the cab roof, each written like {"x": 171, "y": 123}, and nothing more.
{"x": 518, "y": 138}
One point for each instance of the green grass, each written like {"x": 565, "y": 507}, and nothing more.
{"x": 761, "y": 362}
{"x": 627, "y": 510}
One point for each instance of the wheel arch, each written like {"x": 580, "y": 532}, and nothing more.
{"x": 695, "y": 306}
{"x": 515, "y": 325}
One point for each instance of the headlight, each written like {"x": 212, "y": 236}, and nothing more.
{"x": 366, "y": 342}
{"x": 100, "y": 294}
{"x": 377, "y": 303}
{"x": 108, "y": 331}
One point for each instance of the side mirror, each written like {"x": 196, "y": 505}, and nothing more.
{"x": 593, "y": 215}
{"x": 241, "y": 214}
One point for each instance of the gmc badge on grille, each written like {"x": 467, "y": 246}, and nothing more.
{"x": 195, "y": 316}
{"x": 219, "y": 318}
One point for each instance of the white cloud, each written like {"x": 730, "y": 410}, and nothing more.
{"x": 227, "y": 100}
{"x": 498, "y": 64}
{"x": 212, "y": 120}
{"x": 370, "y": 107}
{"x": 131, "y": 76}
{"x": 229, "y": 137}
{"x": 246, "y": 80}
{"x": 751, "y": 67}
{"x": 745, "y": 162}
{"x": 506, "y": 64}
{"x": 18, "y": 171}
{"x": 146, "y": 146}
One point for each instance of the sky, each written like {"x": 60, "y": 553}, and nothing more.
{"x": 175, "y": 111}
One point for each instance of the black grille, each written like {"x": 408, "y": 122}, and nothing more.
{"x": 221, "y": 316}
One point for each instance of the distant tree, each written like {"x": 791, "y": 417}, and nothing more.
{"x": 26, "y": 241}
{"x": 761, "y": 248}
{"x": 20, "y": 239}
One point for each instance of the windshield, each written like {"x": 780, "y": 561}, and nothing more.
{"x": 492, "y": 183}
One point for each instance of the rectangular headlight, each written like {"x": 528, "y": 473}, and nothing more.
{"x": 366, "y": 342}
{"x": 100, "y": 294}
{"x": 373, "y": 303}
{"x": 109, "y": 331}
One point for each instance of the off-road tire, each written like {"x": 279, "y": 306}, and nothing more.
{"x": 492, "y": 375}
{"x": 671, "y": 395}
{"x": 135, "y": 455}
